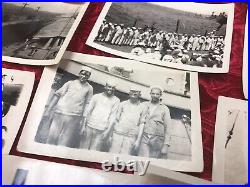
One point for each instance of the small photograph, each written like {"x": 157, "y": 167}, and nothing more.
{"x": 16, "y": 90}
{"x": 118, "y": 110}
{"x": 189, "y": 36}
{"x": 231, "y": 142}
{"x": 10, "y": 96}
{"x": 38, "y": 30}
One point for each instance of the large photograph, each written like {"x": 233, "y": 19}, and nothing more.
{"x": 38, "y": 32}
{"x": 189, "y": 36}
{"x": 112, "y": 109}
{"x": 231, "y": 142}
{"x": 16, "y": 91}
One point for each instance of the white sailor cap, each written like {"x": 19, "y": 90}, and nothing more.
{"x": 157, "y": 49}
{"x": 156, "y": 87}
{"x": 216, "y": 52}
{"x": 218, "y": 58}
{"x": 85, "y": 68}
{"x": 134, "y": 88}
{"x": 180, "y": 55}
{"x": 148, "y": 50}
{"x": 185, "y": 51}
{"x": 199, "y": 59}
{"x": 185, "y": 117}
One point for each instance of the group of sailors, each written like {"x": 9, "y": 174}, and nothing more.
{"x": 153, "y": 43}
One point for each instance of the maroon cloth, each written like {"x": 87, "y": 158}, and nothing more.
{"x": 211, "y": 85}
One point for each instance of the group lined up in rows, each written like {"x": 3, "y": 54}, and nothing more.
{"x": 151, "y": 43}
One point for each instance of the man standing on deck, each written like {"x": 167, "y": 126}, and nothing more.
{"x": 155, "y": 138}
{"x": 101, "y": 113}
{"x": 128, "y": 125}
{"x": 70, "y": 103}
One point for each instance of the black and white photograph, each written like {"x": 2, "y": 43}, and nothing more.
{"x": 16, "y": 90}
{"x": 188, "y": 36}
{"x": 95, "y": 110}
{"x": 38, "y": 33}
{"x": 11, "y": 94}
{"x": 231, "y": 142}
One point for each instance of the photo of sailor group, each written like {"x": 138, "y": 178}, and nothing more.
{"x": 169, "y": 35}
{"x": 119, "y": 110}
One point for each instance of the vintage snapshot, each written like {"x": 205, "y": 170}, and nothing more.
{"x": 38, "y": 33}
{"x": 16, "y": 91}
{"x": 29, "y": 171}
{"x": 245, "y": 61}
{"x": 231, "y": 142}
{"x": 96, "y": 108}
{"x": 183, "y": 35}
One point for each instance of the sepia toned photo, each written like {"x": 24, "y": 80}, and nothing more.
{"x": 112, "y": 109}
{"x": 231, "y": 142}
{"x": 188, "y": 36}
{"x": 38, "y": 33}
{"x": 16, "y": 91}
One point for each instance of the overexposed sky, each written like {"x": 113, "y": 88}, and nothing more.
{"x": 56, "y": 7}
{"x": 199, "y": 8}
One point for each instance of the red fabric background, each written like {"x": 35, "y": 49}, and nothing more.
{"x": 211, "y": 85}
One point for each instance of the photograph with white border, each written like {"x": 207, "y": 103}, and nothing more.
{"x": 17, "y": 86}
{"x": 245, "y": 61}
{"x": 188, "y": 179}
{"x": 109, "y": 104}
{"x": 38, "y": 33}
{"x": 230, "y": 156}
{"x": 182, "y": 35}
{"x": 29, "y": 171}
